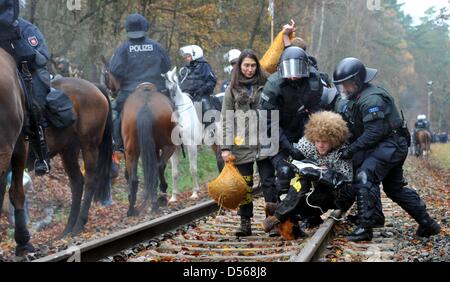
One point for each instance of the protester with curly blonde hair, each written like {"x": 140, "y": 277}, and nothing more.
{"x": 326, "y": 185}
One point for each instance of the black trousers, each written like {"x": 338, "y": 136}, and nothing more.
{"x": 284, "y": 172}
{"x": 267, "y": 179}
{"x": 384, "y": 164}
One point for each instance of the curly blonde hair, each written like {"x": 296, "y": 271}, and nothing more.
{"x": 327, "y": 126}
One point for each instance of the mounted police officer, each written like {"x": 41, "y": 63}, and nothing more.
{"x": 27, "y": 46}
{"x": 421, "y": 124}
{"x": 295, "y": 91}
{"x": 378, "y": 148}
{"x": 138, "y": 60}
{"x": 197, "y": 77}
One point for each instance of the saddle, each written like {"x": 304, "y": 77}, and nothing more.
{"x": 58, "y": 109}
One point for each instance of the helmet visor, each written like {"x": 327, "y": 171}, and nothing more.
{"x": 340, "y": 88}
{"x": 294, "y": 68}
{"x": 185, "y": 52}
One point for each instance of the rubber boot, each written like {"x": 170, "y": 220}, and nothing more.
{"x": 246, "y": 227}
{"x": 363, "y": 232}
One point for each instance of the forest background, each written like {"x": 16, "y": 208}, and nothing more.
{"x": 377, "y": 32}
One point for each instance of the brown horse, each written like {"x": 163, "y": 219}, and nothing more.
{"x": 13, "y": 148}
{"x": 146, "y": 130}
{"x": 91, "y": 135}
{"x": 423, "y": 141}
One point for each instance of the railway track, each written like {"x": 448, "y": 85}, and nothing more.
{"x": 202, "y": 234}
{"x": 198, "y": 233}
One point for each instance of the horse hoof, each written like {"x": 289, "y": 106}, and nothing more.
{"x": 64, "y": 235}
{"x": 173, "y": 199}
{"x": 155, "y": 208}
{"x": 133, "y": 212}
{"x": 162, "y": 200}
{"x": 77, "y": 231}
{"x": 194, "y": 196}
{"x": 24, "y": 250}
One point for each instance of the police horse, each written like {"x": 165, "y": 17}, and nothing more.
{"x": 189, "y": 134}
{"x": 423, "y": 143}
{"x": 90, "y": 134}
{"x": 146, "y": 130}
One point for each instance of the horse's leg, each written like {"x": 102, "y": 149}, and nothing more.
{"x": 218, "y": 154}
{"x": 167, "y": 152}
{"x": 175, "y": 161}
{"x": 17, "y": 197}
{"x": 193, "y": 154}
{"x": 133, "y": 182}
{"x": 72, "y": 168}
{"x": 2, "y": 187}
{"x": 90, "y": 157}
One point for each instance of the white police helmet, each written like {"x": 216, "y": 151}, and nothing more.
{"x": 232, "y": 56}
{"x": 195, "y": 51}
{"x": 420, "y": 117}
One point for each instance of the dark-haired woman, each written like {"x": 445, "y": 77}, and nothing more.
{"x": 241, "y": 132}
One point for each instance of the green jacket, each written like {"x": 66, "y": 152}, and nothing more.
{"x": 241, "y": 127}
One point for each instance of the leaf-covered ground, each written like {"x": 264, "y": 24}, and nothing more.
{"x": 49, "y": 206}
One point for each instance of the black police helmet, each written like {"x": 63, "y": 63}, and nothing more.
{"x": 136, "y": 26}
{"x": 294, "y": 63}
{"x": 353, "y": 68}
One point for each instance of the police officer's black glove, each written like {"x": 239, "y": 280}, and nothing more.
{"x": 346, "y": 153}
{"x": 310, "y": 173}
{"x": 296, "y": 154}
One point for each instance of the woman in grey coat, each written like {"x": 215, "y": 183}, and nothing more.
{"x": 240, "y": 132}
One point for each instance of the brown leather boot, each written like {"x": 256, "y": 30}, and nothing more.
{"x": 270, "y": 223}
{"x": 270, "y": 208}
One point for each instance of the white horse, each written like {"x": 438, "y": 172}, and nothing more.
{"x": 189, "y": 133}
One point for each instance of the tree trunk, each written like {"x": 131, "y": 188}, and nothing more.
{"x": 322, "y": 20}
{"x": 256, "y": 26}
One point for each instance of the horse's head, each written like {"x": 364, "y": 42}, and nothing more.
{"x": 107, "y": 78}
{"x": 172, "y": 81}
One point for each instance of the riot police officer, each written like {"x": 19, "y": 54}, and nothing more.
{"x": 197, "y": 77}
{"x": 138, "y": 60}
{"x": 294, "y": 91}
{"x": 378, "y": 148}
{"x": 27, "y": 46}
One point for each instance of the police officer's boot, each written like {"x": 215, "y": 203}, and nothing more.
{"x": 428, "y": 227}
{"x": 246, "y": 227}
{"x": 363, "y": 232}
{"x": 117, "y": 132}
{"x": 42, "y": 163}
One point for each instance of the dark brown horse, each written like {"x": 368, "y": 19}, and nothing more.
{"x": 423, "y": 141}
{"x": 13, "y": 148}
{"x": 146, "y": 131}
